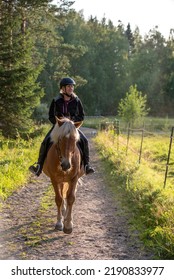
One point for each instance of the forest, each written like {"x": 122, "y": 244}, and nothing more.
{"x": 40, "y": 43}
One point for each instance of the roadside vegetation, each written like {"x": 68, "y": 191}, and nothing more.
{"x": 141, "y": 186}
{"x": 16, "y": 155}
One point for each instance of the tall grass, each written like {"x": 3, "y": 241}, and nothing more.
{"x": 15, "y": 158}
{"x": 140, "y": 187}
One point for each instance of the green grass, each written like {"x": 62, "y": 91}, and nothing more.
{"x": 140, "y": 187}
{"x": 155, "y": 150}
{"x": 15, "y": 158}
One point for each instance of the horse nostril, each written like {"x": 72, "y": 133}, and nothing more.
{"x": 65, "y": 165}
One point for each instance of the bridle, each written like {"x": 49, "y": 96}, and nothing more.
{"x": 58, "y": 150}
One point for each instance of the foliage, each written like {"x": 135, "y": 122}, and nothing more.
{"x": 41, "y": 113}
{"x": 141, "y": 190}
{"x": 41, "y": 42}
{"x": 133, "y": 107}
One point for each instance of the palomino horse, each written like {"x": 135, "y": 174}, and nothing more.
{"x": 63, "y": 166}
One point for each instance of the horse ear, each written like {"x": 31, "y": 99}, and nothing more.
{"x": 78, "y": 124}
{"x": 59, "y": 121}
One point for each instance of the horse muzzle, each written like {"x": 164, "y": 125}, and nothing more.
{"x": 65, "y": 164}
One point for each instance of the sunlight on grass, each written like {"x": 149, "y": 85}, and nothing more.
{"x": 15, "y": 158}
{"x": 142, "y": 187}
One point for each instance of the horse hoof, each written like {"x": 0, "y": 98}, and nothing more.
{"x": 59, "y": 227}
{"x": 67, "y": 230}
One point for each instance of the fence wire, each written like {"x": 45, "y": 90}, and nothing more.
{"x": 107, "y": 126}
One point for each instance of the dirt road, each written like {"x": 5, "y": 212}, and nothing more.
{"x": 100, "y": 224}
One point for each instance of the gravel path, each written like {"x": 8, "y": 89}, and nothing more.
{"x": 100, "y": 224}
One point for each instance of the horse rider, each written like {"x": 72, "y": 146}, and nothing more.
{"x": 67, "y": 104}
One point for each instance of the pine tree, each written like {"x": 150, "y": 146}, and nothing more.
{"x": 19, "y": 69}
{"x": 130, "y": 38}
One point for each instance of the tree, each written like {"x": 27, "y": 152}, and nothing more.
{"x": 133, "y": 107}
{"x": 19, "y": 67}
{"x": 130, "y": 38}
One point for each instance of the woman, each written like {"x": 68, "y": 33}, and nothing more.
{"x": 67, "y": 104}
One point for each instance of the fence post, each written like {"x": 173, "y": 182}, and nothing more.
{"x": 141, "y": 146}
{"x": 102, "y": 126}
{"x": 128, "y": 135}
{"x": 117, "y": 131}
{"x": 117, "y": 126}
{"x": 168, "y": 158}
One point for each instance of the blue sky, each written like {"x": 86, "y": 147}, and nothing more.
{"x": 146, "y": 14}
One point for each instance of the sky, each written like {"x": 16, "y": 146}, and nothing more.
{"x": 146, "y": 14}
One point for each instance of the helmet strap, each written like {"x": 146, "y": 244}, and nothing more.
{"x": 68, "y": 95}
{"x": 65, "y": 93}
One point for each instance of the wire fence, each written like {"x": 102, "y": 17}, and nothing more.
{"x": 115, "y": 127}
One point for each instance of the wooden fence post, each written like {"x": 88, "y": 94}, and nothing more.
{"x": 141, "y": 146}
{"x": 168, "y": 158}
{"x": 117, "y": 131}
{"x": 128, "y": 135}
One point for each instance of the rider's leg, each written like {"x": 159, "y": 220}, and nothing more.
{"x": 37, "y": 167}
{"x": 85, "y": 149}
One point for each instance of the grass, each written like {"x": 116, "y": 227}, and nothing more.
{"x": 15, "y": 158}
{"x": 141, "y": 188}
{"x": 35, "y": 236}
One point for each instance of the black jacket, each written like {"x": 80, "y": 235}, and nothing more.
{"x": 61, "y": 108}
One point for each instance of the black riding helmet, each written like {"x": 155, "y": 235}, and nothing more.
{"x": 66, "y": 81}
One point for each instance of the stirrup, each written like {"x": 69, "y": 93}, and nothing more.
{"x": 89, "y": 169}
{"x": 36, "y": 170}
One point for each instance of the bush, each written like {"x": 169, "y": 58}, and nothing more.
{"x": 41, "y": 113}
{"x": 133, "y": 107}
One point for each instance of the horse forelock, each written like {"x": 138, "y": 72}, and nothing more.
{"x": 67, "y": 129}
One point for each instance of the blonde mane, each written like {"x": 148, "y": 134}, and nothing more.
{"x": 67, "y": 129}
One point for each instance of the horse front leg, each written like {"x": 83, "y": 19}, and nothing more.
{"x": 68, "y": 221}
{"x": 59, "y": 203}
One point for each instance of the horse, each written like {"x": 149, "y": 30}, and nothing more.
{"x": 64, "y": 167}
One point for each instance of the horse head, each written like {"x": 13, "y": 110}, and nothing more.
{"x": 65, "y": 135}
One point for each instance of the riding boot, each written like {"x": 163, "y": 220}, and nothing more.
{"x": 83, "y": 143}
{"x": 37, "y": 167}
{"x": 88, "y": 168}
